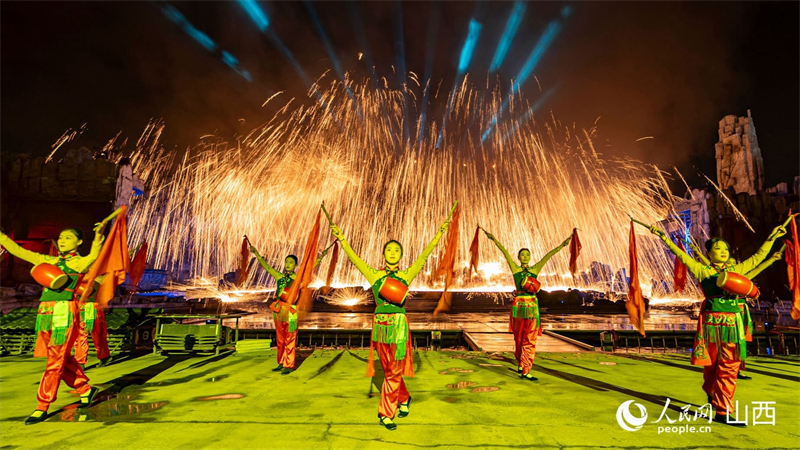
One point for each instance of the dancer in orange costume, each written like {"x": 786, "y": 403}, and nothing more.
{"x": 57, "y": 323}
{"x": 524, "y": 318}
{"x": 720, "y": 345}
{"x": 390, "y": 332}
{"x": 284, "y": 314}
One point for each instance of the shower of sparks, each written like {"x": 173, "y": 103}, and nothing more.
{"x": 530, "y": 190}
{"x": 643, "y": 138}
{"x": 68, "y": 136}
{"x": 739, "y": 216}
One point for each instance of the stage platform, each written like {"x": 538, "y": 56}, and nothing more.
{"x": 461, "y": 400}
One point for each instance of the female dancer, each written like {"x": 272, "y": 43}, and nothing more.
{"x": 720, "y": 344}
{"x": 284, "y": 314}
{"x": 390, "y": 332}
{"x": 524, "y": 318}
{"x": 57, "y": 322}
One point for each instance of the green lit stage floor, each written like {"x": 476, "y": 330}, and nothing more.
{"x": 460, "y": 400}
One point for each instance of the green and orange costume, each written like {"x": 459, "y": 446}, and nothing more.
{"x": 58, "y": 321}
{"x": 524, "y": 320}
{"x": 92, "y": 322}
{"x": 390, "y": 331}
{"x": 720, "y": 344}
{"x": 284, "y": 315}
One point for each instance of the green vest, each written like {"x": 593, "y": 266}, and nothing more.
{"x": 717, "y": 300}
{"x": 57, "y": 318}
{"x": 383, "y": 306}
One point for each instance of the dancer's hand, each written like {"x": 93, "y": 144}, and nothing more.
{"x": 565, "y": 243}
{"x": 337, "y": 232}
{"x": 490, "y": 236}
{"x": 99, "y": 227}
{"x": 253, "y": 250}
{"x": 779, "y": 231}
{"x": 658, "y": 232}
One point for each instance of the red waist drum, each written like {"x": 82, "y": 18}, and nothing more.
{"x": 49, "y": 276}
{"x": 737, "y": 284}
{"x": 284, "y": 297}
{"x": 531, "y": 285}
{"x": 393, "y": 290}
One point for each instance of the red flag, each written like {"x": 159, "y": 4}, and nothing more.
{"x": 332, "y": 268}
{"x": 447, "y": 263}
{"x": 473, "y": 252}
{"x": 679, "y": 277}
{"x": 137, "y": 266}
{"x": 306, "y": 268}
{"x": 574, "y": 251}
{"x": 792, "y": 257}
{"x": 113, "y": 262}
{"x": 635, "y": 303}
{"x": 244, "y": 259}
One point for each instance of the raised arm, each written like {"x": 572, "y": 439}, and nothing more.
{"x": 511, "y": 263}
{"x": 750, "y": 263}
{"x": 538, "y": 266}
{"x": 322, "y": 255}
{"x": 694, "y": 267}
{"x": 412, "y": 272}
{"x": 369, "y": 273}
{"x": 25, "y": 255}
{"x": 272, "y": 272}
{"x": 699, "y": 254}
{"x": 777, "y": 256}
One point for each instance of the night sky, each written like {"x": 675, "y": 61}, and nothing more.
{"x": 668, "y": 70}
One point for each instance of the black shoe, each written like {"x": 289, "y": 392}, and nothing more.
{"x": 742, "y": 376}
{"x": 723, "y": 419}
{"x": 86, "y": 400}
{"x": 401, "y": 413}
{"x": 286, "y": 371}
{"x": 387, "y": 422}
{"x": 36, "y": 418}
{"x": 528, "y": 377}
{"x": 278, "y": 369}
{"x": 708, "y": 399}
{"x": 519, "y": 369}
{"x": 104, "y": 362}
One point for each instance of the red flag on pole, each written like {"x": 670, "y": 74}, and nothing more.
{"x": 679, "y": 277}
{"x": 447, "y": 263}
{"x": 474, "y": 252}
{"x": 635, "y": 303}
{"x": 244, "y": 259}
{"x": 331, "y": 269}
{"x": 306, "y": 268}
{"x": 792, "y": 258}
{"x": 113, "y": 262}
{"x": 574, "y": 251}
{"x": 137, "y": 266}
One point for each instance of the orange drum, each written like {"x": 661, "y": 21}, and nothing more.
{"x": 737, "y": 284}
{"x": 393, "y": 290}
{"x": 531, "y": 284}
{"x": 81, "y": 289}
{"x": 49, "y": 276}
{"x": 284, "y": 297}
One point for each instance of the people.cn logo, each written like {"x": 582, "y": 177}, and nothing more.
{"x": 628, "y": 421}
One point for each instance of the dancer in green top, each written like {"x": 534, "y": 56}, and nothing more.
{"x": 57, "y": 322}
{"x": 524, "y": 318}
{"x": 284, "y": 314}
{"x": 390, "y": 332}
{"x": 720, "y": 344}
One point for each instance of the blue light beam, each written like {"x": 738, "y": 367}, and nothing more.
{"x": 201, "y": 38}
{"x": 256, "y": 14}
{"x": 531, "y": 111}
{"x": 512, "y": 26}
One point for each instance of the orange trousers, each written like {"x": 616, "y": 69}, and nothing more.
{"x": 525, "y": 336}
{"x": 99, "y": 337}
{"x": 287, "y": 344}
{"x": 719, "y": 379}
{"x": 61, "y": 365}
{"x": 393, "y": 391}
